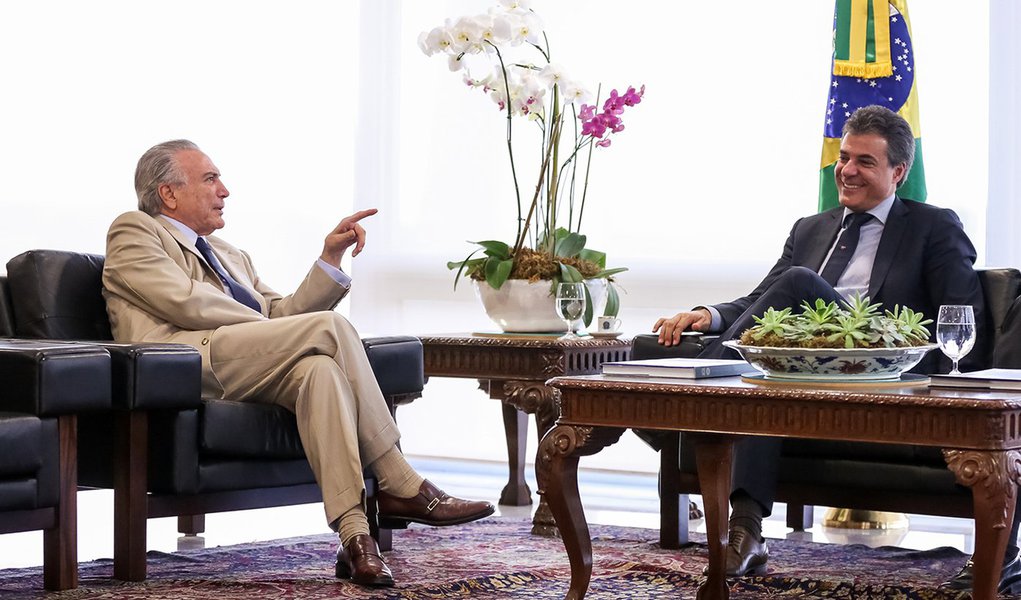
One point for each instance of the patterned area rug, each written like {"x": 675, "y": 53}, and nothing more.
{"x": 499, "y": 558}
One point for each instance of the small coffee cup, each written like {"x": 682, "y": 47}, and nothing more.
{"x": 607, "y": 324}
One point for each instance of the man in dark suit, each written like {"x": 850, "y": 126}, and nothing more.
{"x": 896, "y": 252}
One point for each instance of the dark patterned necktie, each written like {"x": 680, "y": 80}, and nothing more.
{"x": 237, "y": 290}
{"x": 848, "y": 241}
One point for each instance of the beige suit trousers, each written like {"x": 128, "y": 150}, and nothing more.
{"x": 314, "y": 365}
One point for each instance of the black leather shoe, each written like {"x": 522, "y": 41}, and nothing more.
{"x": 1010, "y": 577}
{"x": 746, "y": 553}
{"x": 431, "y": 506}
{"x": 360, "y": 561}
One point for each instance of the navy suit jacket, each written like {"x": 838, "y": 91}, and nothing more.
{"x": 924, "y": 260}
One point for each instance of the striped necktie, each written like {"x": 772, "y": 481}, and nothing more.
{"x": 240, "y": 293}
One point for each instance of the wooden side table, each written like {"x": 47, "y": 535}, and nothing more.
{"x": 514, "y": 369}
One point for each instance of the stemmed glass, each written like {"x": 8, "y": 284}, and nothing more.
{"x": 955, "y": 332}
{"x": 570, "y": 306}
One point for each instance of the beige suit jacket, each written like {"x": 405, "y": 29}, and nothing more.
{"x": 159, "y": 288}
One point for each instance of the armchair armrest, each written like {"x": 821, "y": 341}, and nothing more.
{"x": 647, "y": 346}
{"x": 397, "y": 363}
{"x": 155, "y": 376}
{"x": 53, "y": 378}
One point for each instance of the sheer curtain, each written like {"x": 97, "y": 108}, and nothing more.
{"x": 696, "y": 196}
{"x": 265, "y": 91}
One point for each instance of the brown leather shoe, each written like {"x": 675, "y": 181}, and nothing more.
{"x": 431, "y": 507}
{"x": 360, "y": 561}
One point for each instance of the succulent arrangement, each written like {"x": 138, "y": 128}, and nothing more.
{"x": 858, "y": 323}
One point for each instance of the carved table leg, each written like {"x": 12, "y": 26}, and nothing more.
{"x": 515, "y": 426}
{"x": 993, "y": 477}
{"x": 534, "y": 397}
{"x": 714, "y": 461}
{"x": 557, "y": 472}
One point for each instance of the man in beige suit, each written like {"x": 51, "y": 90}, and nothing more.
{"x": 166, "y": 281}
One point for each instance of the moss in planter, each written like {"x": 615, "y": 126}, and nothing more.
{"x": 535, "y": 266}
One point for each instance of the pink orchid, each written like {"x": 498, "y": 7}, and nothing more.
{"x": 632, "y": 98}
{"x": 595, "y": 125}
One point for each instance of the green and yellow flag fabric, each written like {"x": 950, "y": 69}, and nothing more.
{"x": 873, "y": 63}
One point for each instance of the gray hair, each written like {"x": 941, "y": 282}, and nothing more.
{"x": 158, "y": 166}
{"x": 879, "y": 120}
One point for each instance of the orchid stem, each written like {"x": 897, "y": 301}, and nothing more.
{"x": 510, "y": 123}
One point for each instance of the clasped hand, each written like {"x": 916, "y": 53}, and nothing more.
{"x": 347, "y": 233}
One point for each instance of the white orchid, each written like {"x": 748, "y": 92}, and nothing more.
{"x": 552, "y": 74}
{"x": 495, "y": 29}
{"x": 539, "y": 93}
{"x": 573, "y": 92}
{"x": 435, "y": 41}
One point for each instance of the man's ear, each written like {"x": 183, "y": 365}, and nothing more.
{"x": 900, "y": 172}
{"x": 167, "y": 195}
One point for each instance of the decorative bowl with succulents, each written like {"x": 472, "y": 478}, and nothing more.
{"x": 831, "y": 363}
{"x": 826, "y": 341}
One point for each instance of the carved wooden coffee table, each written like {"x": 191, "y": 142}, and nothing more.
{"x": 979, "y": 431}
{"x": 514, "y": 369}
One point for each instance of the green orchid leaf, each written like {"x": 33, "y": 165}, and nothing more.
{"x": 608, "y": 272}
{"x": 593, "y": 256}
{"x": 497, "y": 271}
{"x": 569, "y": 274}
{"x": 612, "y": 301}
{"x": 570, "y": 245}
{"x": 495, "y": 248}
{"x": 460, "y": 267}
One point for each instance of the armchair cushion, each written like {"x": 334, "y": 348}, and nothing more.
{"x": 248, "y": 430}
{"x": 73, "y": 310}
{"x": 29, "y": 462}
{"x": 21, "y": 437}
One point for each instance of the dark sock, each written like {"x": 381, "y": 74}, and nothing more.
{"x": 747, "y": 512}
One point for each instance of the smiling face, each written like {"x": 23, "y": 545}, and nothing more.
{"x": 199, "y": 201}
{"x": 863, "y": 173}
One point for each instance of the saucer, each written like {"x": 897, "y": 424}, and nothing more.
{"x": 606, "y": 335}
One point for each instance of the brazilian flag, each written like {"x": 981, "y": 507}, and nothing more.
{"x": 873, "y": 63}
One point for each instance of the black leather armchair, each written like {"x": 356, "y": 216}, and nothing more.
{"x": 854, "y": 475}
{"x": 43, "y": 386}
{"x": 163, "y": 449}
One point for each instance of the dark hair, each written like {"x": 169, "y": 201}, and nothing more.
{"x": 900, "y": 141}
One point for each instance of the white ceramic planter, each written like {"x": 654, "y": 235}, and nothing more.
{"x": 523, "y": 307}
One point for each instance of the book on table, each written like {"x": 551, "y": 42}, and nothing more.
{"x": 990, "y": 379}
{"x": 678, "y": 368}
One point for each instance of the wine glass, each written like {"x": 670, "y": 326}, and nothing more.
{"x": 955, "y": 332}
{"x": 570, "y": 306}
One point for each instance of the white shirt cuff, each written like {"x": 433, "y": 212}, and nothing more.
{"x": 342, "y": 278}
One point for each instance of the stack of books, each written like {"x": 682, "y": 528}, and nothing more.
{"x": 989, "y": 379}
{"x": 683, "y": 369}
